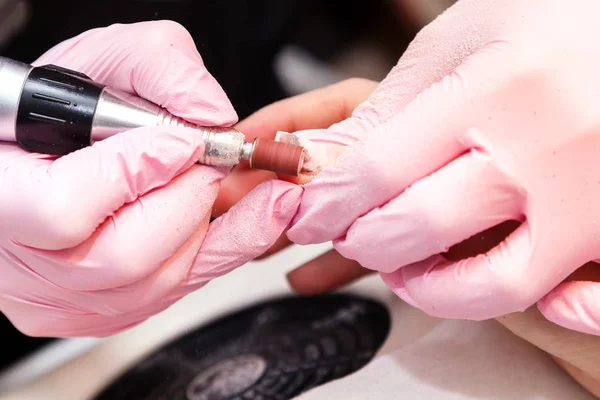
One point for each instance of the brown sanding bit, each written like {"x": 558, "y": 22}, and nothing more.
{"x": 281, "y": 158}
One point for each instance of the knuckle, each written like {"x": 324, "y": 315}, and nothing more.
{"x": 30, "y": 330}
{"x": 166, "y": 32}
{"x": 530, "y": 65}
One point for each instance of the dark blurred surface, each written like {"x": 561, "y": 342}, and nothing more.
{"x": 270, "y": 351}
{"x": 238, "y": 40}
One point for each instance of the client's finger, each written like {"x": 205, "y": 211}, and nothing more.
{"x": 579, "y": 349}
{"x": 317, "y": 109}
{"x": 325, "y": 273}
{"x": 575, "y": 304}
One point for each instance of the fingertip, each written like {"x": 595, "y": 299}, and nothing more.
{"x": 156, "y": 60}
{"x": 302, "y": 283}
{"x": 285, "y": 197}
{"x": 574, "y": 305}
{"x": 339, "y": 195}
{"x": 249, "y": 228}
{"x": 395, "y": 281}
{"x": 357, "y": 243}
{"x": 208, "y": 102}
{"x": 186, "y": 89}
{"x": 310, "y": 224}
{"x": 326, "y": 273}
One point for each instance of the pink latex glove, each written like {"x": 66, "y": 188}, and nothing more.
{"x": 491, "y": 115}
{"x": 101, "y": 239}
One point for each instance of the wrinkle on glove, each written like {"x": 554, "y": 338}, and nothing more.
{"x": 499, "y": 123}
{"x": 99, "y": 240}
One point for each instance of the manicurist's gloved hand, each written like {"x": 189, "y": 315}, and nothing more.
{"x": 491, "y": 115}
{"x": 576, "y": 352}
{"x": 101, "y": 239}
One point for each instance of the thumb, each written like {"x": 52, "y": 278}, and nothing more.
{"x": 574, "y": 305}
{"x": 246, "y": 231}
{"x": 156, "y": 60}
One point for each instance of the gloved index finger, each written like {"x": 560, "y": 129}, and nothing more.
{"x": 54, "y": 205}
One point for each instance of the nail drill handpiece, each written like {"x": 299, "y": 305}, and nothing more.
{"x": 53, "y": 110}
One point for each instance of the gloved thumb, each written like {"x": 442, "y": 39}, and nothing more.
{"x": 245, "y": 232}
{"x": 574, "y": 305}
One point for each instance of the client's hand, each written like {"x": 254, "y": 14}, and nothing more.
{"x": 314, "y": 110}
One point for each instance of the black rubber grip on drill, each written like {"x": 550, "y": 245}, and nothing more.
{"x": 56, "y": 110}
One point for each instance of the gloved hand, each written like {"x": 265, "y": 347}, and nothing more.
{"x": 576, "y": 352}
{"x": 316, "y": 109}
{"x": 491, "y": 115}
{"x": 101, "y": 239}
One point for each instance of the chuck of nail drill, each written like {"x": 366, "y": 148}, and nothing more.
{"x": 53, "y": 110}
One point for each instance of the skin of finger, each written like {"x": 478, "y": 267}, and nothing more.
{"x": 577, "y": 349}
{"x": 588, "y": 382}
{"x": 564, "y": 345}
{"x": 317, "y": 109}
{"x": 325, "y": 273}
